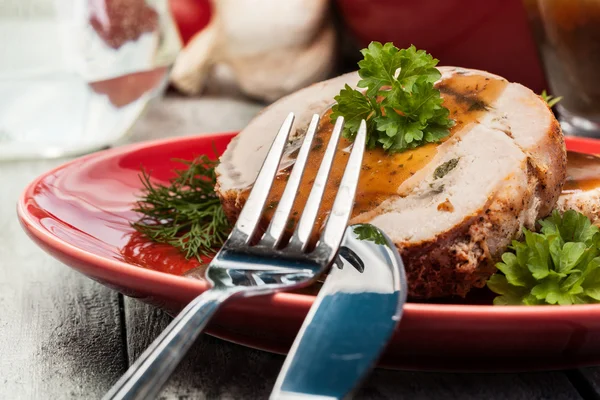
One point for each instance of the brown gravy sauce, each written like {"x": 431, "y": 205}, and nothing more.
{"x": 583, "y": 172}
{"x": 467, "y": 98}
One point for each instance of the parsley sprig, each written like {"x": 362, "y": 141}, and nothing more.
{"x": 186, "y": 213}
{"x": 559, "y": 265}
{"x": 402, "y": 108}
{"x": 369, "y": 232}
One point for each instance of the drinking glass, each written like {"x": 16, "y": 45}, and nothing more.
{"x": 76, "y": 74}
{"x": 568, "y": 36}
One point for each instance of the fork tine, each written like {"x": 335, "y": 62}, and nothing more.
{"x": 309, "y": 215}
{"x": 344, "y": 200}
{"x": 251, "y": 212}
{"x": 274, "y": 232}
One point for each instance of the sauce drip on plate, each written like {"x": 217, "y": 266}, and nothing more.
{"x": 583, "y": 172}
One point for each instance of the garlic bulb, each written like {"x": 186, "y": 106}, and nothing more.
{"x": 271, "y": 47}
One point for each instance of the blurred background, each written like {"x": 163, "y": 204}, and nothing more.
{"x": 75, "y": 75}
{"x": 271, "y": 48}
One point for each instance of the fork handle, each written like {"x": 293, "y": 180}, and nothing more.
{"x": 145, "y": 378}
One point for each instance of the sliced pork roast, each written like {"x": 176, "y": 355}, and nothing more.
{"x": 451, "y": 208}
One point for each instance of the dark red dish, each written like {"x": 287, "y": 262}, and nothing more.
{"x": 80, "y": 213}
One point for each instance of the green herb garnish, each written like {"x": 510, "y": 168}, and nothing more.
{"x": 551, "y": 100}
{"x": 370, "y": 233}
{"x": 402, "y": 108}
{"x": 186, "y": 213}
{"x": 559, "y": 265}
{"x": 443, "y": 169}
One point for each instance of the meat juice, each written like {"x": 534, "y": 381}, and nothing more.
{"x": 568, "y": 36}
{"x": 583, "y": 172}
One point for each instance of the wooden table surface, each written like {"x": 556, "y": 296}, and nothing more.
{"x": 64, "y": 336}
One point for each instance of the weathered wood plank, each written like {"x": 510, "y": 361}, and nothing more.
{"x": 213, "y": 368}
{"x": 588, "y": 381}
{"x": 216, "y": 369}
{"x": 385, "y": 384}
{"x": 60, "y": 333}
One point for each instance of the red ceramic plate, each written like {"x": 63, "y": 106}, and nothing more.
{"x": 81, "y": 212}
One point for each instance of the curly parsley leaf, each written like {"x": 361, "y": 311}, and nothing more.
{"x": 355, "y": 107}
{"x": 379, "y": 66}
{"x": 370, "y": 233}
{"x": 559, "y": 265}
{"x": 402, "y": 108}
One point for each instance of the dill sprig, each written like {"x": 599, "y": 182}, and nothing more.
{"x": 551, "y": 100}
{"x": 186, "y": 213}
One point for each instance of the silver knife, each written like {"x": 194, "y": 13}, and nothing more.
{"x": 350, "y": 322}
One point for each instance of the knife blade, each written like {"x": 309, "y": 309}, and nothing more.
{"x": 350, "y": 322}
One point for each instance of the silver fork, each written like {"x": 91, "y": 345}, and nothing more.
{"x": 242, "y": 269}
